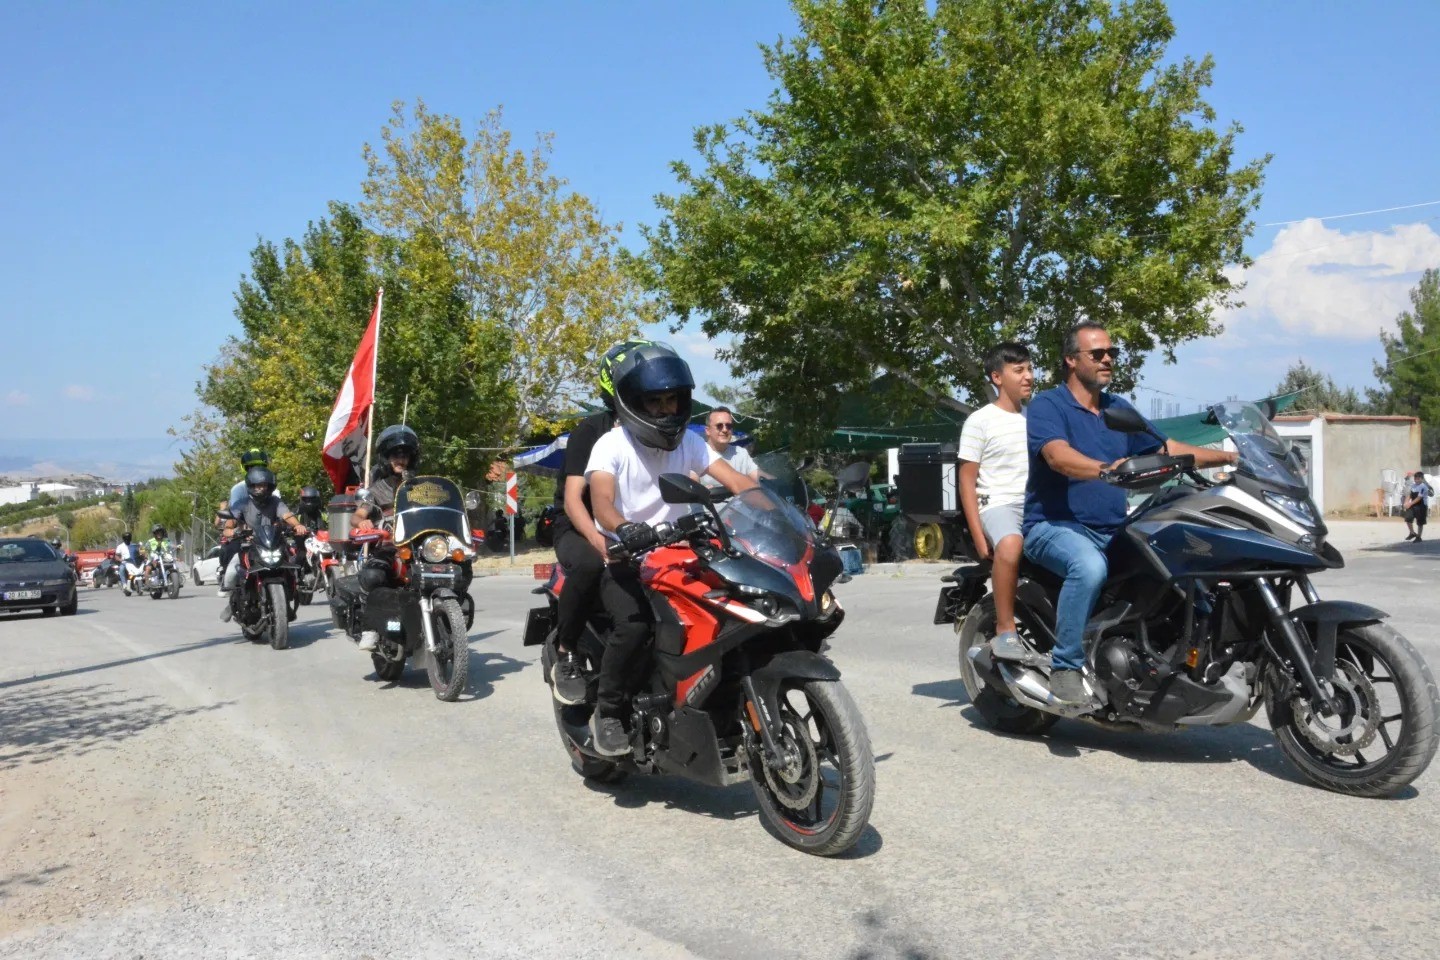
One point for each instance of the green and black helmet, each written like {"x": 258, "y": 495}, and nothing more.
{"x": 254, "y": 457}
{"x": 607, "y": 367}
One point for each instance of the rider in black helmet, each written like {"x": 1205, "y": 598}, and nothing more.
{"x": 398, "y": 448}
{"x": 652, "y": 388}
{"x": 261, "y": 503}
{"x": 579, "y": 545}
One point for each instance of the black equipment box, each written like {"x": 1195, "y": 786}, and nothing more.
{"x": 929, "y": 482}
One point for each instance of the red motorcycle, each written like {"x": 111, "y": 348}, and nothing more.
{"x": 736, "y": 690}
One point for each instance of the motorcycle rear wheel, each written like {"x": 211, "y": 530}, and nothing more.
{"x": 449, "y": 665}
{"x": 1398, "y": 692}
{"x": 279, "y": 615}
{"x": 998, "y": 711}
{"x": 822, "y": 803}
{"x": 591, "y": 768}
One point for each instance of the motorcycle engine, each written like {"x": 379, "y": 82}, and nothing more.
{"x": 1129, "y": 677}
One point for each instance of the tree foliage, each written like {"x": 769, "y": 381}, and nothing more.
{"x": 930, "y": 178}
{"x": 1410, "y": 376}
{"x": 302, "y": 310}
{"x": 535, "y": 267}
{"x": 1318, "y": 391}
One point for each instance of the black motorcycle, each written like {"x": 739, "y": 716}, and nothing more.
{"x": 106, "y": 574}
{"x": 421, "y": 610}
{"x": 545, "y": 525}
{"x": 1207, "y": 615}
{"x": 264, "y": 602}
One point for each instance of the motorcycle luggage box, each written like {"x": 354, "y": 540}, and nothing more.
{"x": 342, "y": 517}
{"x": 394, "y": 613}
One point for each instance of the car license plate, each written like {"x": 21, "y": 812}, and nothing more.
{"x": 23, "y": 595}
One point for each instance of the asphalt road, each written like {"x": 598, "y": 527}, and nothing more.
{"x": 169, "y": 790}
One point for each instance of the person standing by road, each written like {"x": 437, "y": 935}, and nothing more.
{"x": 1417, "y": 505}
{"x": 720, "y": 438}
{"x": 994, "y": 466}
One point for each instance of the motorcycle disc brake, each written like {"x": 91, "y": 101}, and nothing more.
{"x": 794, "y": 785}
{"x": 1324, "y": 733}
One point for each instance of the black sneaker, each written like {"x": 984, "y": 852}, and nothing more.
{"x": 567, "y": 680}
{"x": 1067, "y": 687}
{"x": 608, "y": 734}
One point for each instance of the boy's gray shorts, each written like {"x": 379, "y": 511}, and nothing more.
{"x": 1002, "y": 521}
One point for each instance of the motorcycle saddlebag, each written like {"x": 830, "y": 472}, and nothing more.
{"x": 393, "y": 613}
{"x": 538, "y": 625}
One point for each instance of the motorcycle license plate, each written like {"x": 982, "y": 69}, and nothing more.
{"x": 23, "y": 595}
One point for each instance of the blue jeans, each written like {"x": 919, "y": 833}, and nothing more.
{"x": 1077, "y": 553}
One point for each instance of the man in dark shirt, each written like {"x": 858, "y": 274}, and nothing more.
{"x": 579, "y": 545}
{"x": 1070, "y": 511}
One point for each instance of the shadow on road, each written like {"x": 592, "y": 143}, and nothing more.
{"x": 676, "y": 793}
{"x": 33, "y": 878}
{"x": 38, "y": 725}
{"x": 484, "y": 669}
{"x": 10, "y": 616}
{"x": 1424, "y": 550}
{"x": 882, "y": 939}
{"x": 171, "y": 651}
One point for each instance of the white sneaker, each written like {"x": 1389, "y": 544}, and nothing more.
{"x": 222, "y": 592}
{"x": 369, "y": 640}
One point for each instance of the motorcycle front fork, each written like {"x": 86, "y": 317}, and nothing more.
{"x": 1316, "y": 684}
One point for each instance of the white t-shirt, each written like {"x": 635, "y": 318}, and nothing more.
{"x": 995, "y": 439}
{"x": 637, "y": 469}
{"x": 735, "y": 455}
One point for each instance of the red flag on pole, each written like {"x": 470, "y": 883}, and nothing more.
{"x": 347, "y": 436}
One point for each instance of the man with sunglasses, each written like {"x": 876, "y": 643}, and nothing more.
{"x": 1070, "y": 511}
{"x": 720, "y": 438}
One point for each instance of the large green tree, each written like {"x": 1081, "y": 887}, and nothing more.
{"x": 1410, "y": 375}
{"x": 302, "y": 310}
{"x": 534, "y": 263}
{"x": 1319, "y": 391}
{"x": 929, "y": 178}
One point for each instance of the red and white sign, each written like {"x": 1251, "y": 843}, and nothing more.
{"x": 347, "y": 434}
{"x": 512, "y": 495}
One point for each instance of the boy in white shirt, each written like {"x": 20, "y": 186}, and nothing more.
{"x": 994, "y": 466}
{"x": 652, "y": 403}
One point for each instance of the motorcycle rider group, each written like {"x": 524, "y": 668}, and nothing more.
{"x": 1031, "y": 482}
{"x": 132, "y": 557}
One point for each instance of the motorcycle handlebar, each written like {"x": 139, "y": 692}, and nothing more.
{"x": 666, "y": 534}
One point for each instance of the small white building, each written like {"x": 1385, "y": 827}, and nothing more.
{"x": 1347, "y": 453}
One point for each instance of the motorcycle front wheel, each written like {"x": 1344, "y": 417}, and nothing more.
{"x": 449, "y": 664}
{"x": 819, "y": 801}
{"x": 278, "y": 610}
{"x": 1383, "y": 736}
{"x": 175, "y": 587}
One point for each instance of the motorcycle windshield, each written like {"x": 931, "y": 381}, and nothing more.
{"x": 768, "y": 527}
{"x": 430, "y": 505}
{"x": 1264, "y": 454}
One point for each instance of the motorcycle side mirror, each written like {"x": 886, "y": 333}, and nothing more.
{"x": 1270, "y": 408}
{"x": 805, "y": 464}
{"x": 1125, "y": 420}
{"x": 1210, "y": 419}
{"x": 853, "y": 477}
{"x": 678, "y": 488}
{"x": 362, "y": 495}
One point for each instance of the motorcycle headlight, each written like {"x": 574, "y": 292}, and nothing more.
{"x": 1301, "y": 511}
{"x": 435, "y": 548}
{"x": 270, "y": 556}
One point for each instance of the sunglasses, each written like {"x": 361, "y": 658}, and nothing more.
{"x": 1099, "y": 353}
{"x": 723, "y": 427}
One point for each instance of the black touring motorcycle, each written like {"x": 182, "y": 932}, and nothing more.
{"x": 425, "y": 610}
{"x": 264, "y": 603}
{"x": 736, "y": 689}
{"x": 1207, "y": 614}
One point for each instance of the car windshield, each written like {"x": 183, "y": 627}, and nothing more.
{"x": 767, "y": 526}
{"x": 1264, "y": 454}
{"x": 25, "y": 551}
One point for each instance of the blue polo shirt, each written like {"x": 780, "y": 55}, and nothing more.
{"x": 1057, "y": 415}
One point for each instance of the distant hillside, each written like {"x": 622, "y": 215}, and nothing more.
{"x": 116, "y": 460}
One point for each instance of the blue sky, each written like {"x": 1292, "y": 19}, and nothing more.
{"x": 148, "y": 146}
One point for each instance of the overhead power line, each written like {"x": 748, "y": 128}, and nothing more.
{"x": 1346, "y": 216}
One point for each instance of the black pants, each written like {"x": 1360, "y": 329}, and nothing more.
{"x": 583, "y": 567}
{"x": 227, "y": 553}
{"x": 1421, "y": 513}
{"x": 625, "y": 648}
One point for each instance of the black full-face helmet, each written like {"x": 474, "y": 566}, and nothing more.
{"x": 646, "y": 369}
{"x": 309, "y": 497}
{"x": 158, "y": 532}
{"x": 398, "y": 437}
{"x": 260, "y": 482}
{"x": 606, "y": 379}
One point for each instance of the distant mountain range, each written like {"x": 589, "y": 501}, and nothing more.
{"x": 106, "y": 458}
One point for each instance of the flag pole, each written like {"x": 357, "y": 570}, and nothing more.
{"x": 374, "y": 386}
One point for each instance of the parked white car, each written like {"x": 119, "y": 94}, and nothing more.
{"x": 207, "y": 568}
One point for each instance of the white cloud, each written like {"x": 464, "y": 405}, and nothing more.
{"x": 77, "y": 392}
{"x": 17, "y": 398}
{"x": 1329, "y": 283}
